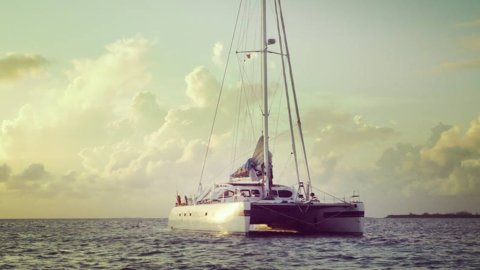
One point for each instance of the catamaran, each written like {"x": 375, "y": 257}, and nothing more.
{"x": 250, "y": 201}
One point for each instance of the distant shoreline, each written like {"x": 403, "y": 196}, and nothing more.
{"x": 427, "y": 215}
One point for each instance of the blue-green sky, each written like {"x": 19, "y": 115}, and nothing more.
{"x": 105, "y": 105}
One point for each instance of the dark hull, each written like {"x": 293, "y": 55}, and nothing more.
{"x": 328, "y": 218}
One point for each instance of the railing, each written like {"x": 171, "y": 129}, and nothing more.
{"x": 326, "y": 197}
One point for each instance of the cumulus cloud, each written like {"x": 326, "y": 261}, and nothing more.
{"x": 217, "y": 54}
{"x": 342, "y": 129}
{"x": 110, "y": 79}
{"x": 172, "y": 143}
{"x": 89, "y": 134}
{"x": 145, "y": 116}
{"x": 445, "y": 165}
{"x": 33, "y": 172}
{"x": 201, "y": 86}
{"x": 88, "y": 111}
{"x": 103, "y": 134}
{"x": 106, "y": 138}
{"x": 443, "y": 172}
{"x": 15, "y": 65}
{"x": 5, "y": 172}
{"x": 146, "y": 111}
{"x": 340, "y": 133}
{"x": 341, "y": 148}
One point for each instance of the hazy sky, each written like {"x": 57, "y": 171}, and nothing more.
{"x": 105, "y": 106}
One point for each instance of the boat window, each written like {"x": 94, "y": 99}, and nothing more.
{"x": 255, "y": 193}
{"x": 274, "y": 193}
{"x": 245, "y": 193}
{"x": 284, "y": 193}
{"x": 228, "y": 193}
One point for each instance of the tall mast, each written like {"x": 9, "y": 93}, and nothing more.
{"x": 292, "y": 136}
{"x": 268, "y": 180}
{"x": 299, "y": 123}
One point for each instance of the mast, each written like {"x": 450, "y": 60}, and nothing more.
{"x": 299, "y": 123}
{"x": 268, "y": 181}
{"x": 292, "y": 136}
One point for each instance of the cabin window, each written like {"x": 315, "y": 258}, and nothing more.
{"x": 274, "y": 193}
{"x": 228, "y": 194}
{"x": 245, "y": 193}
{"x": 255, "y": 193}
{"x": 284, "y": 193}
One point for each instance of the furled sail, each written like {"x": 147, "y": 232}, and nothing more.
{"x": 254, "y": 167}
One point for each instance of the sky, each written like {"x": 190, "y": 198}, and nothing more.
{"x": 106, "y": 107}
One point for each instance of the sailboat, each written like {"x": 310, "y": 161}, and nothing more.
{"x": 250, "y": 201}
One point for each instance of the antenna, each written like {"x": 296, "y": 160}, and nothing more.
{"x": 266, "y": 160}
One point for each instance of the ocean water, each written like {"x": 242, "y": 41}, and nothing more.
{"x": 149, "y": 244}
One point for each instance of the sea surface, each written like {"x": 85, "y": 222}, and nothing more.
{"x": 149, "y": 244}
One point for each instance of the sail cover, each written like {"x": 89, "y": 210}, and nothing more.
{"x": 255, "y": 164}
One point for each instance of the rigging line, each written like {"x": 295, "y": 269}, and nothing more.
{"x": 333, "y": 196}
{"x": 285, "y": 166}
{"x": 292, "y": 135}
{"x": 276, "y": 124}
{"x": 275, "y": 91}
{"x": 252, "y": 92}
{"x": 243, "y": 25}
{"x": 247, "y": 79}
{"x": 250, "y": 81}
{"x": 237, "y": 125}
{"x": 219, "y": 97}
{"x": 256, "y": 69}
{"x": 278, "y": 116}
{"x": 299, "y": 123}
{"x": 249, "y": 112}
{"x": 246, "y": 97}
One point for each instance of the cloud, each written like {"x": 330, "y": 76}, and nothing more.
{"x": 5, "y": 173}
{"x": 443, "y": 172}
{"x": 201, "y": 86}
{"x": 341, "y": 149}
{"x": 33, "y": 172}
{"x": 104, "y": 137}
{"x": 217, "y": 54}
{"x": 111, "y": 79}
{"x": 102, "y": 103}
{"x": 107, "y": 141}
{"x": 472, "y": 23}
{"x": 460, "y": 65}
{"x": 145, "y": 116}
{"x": 472, "y": 42}
{"x": 14, "y": 66}
{"x": 334, "y": 130}
{"x": 446, "y": 165}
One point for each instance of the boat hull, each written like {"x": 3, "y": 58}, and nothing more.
{"x": 328, "y": 218}
{"x": 230, "y": 217}
{"x": 243, "y": 217}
